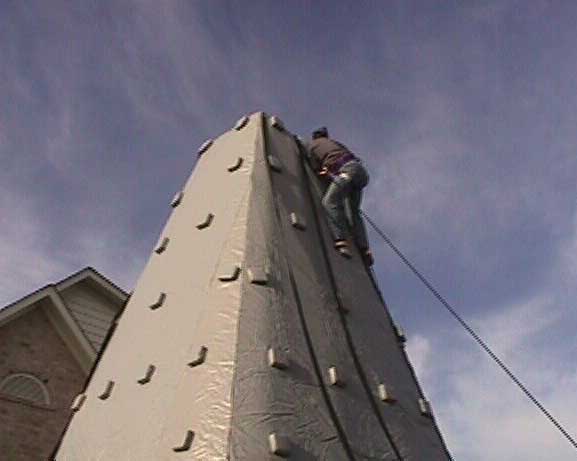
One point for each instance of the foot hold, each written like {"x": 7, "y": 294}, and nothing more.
{"x": 368, "y": 258}
{"x": 343, "y": 248}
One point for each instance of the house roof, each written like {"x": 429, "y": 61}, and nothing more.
{"x": 49, "y": 297}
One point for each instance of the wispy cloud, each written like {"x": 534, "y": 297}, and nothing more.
{"x": 483, "y": 414}
{"x": 481, "y": 411}
{"x": 26, "y": 258}
{"x": 464, "y": 115}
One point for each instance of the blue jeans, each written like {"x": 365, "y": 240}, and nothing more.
{"x": 346, "y": 191}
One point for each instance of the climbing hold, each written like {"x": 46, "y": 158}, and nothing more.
{"x": 231, "y": 274}
{"x": 108, "y": 391}
{"x": 274, "y": 163}
{"x": 277, "y": 123}
{"x": 176, "y": 199}
{"x": 425, "y": 407}
{"x": 188, "y": 439}
{"x": 200, "y": 359}
{"x": 334, "y": 378}
{"x": 78, "y": 402}
{"x": 241, "y": 123}
{"x": 278, "y": 445}
{"x": 276, "y": 359}
{"x": 400, "y": 334}
{"x": 160, "y": 248}
{"x": 236, "y": 165}
{"x": 159, "y": 302}
{"x": 385, "y": 394}
{"x": 258, "y": 276}
{"x": 207, "y": 222}
{"x": 297, "y": 221}
{"x": 205, "y": 146}
{"x": 149, "y": 372}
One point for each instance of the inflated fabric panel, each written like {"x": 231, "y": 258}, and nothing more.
{"x": 146, "y": 423}
{"x": 268, "y": 343}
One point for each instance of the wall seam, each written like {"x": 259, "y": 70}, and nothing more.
{"x": 360, "y": 370}
{"x": 302, "y": 319}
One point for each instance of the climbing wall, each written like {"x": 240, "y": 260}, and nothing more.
{"x": 247, "y": 337}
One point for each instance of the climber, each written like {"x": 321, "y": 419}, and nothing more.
{"x": 348, "y": 176}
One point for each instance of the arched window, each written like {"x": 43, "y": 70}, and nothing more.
{"x": 26, "y": 387}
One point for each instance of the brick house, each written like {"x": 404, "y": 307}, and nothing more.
{"x": 49, "y": 342}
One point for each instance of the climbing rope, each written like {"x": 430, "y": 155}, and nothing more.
{"x": 307, "y": 172}
{"x": 472, "y": 332}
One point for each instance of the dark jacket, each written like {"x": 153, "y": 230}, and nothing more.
{"x": 325, "y": 152}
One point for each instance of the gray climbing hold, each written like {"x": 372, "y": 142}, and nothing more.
{"x": 188, "y": 439}
{"x": 108, "y": 391}
{"x": 148, "y": 376}
{"x": 236, "y": 165}
{"x": 297, "y": 221}
{"x": 78, "y": 402}
{"x": 278, "y": 445}
{"x": 207, "y": 222}
{"x": 230, "y": 274}
{"x": 205, "y": 146}
{"x": 159, "y": 302}
{"x": 276, "y": 359}
{"x": 277, "y": 123}
{"x": 334, "y": 378}
{"x": 162, "y": 246}
{"x": 258, "y": 276}
{"x": 400, "y": 334}
{"x": 201, "y": 357}
{"x": 274, "y": 163}
{"x": 177, "y": 199}
{"x": 385, "y": 394}
{"x": 425, "y": 407}
{"x": 241, "y": 123}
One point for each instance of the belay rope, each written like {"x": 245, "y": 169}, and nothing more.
{"x": 472, "y": 332}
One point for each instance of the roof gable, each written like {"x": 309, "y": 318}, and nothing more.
{"x": 93, "y": 312}
{"x": 73, "y": 329}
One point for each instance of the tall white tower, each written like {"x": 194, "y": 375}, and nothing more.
{"x": 248, "y": 337}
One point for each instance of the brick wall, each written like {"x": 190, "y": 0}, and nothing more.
{"x": 29, "y": 344}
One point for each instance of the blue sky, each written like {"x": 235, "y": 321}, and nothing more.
{"x": 464, "y": 112}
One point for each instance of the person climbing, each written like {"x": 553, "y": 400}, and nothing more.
{"x": 349, "y": 177}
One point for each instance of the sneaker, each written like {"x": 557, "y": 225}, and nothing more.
{"x": 343, "y": 248}
{"x": 368, "y": 258}
{"x": 344, "y": 251}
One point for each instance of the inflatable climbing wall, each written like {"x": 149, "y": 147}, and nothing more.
{"x": 248, "y": 337}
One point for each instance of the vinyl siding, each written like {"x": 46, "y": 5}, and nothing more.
{"x": 93, "y": 312}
